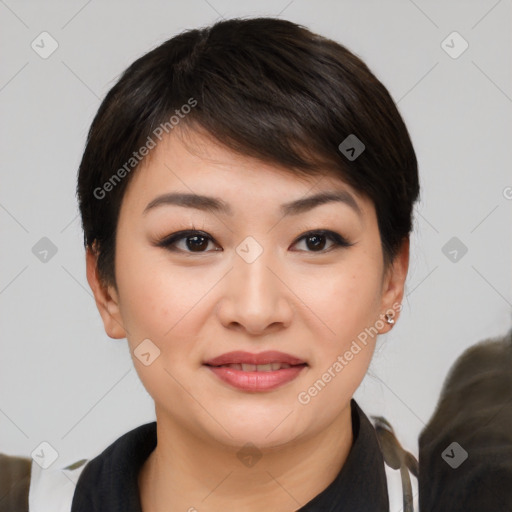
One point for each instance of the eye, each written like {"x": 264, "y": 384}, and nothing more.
{"x": 197, "y": 241}
{"x": 316, "y": 240}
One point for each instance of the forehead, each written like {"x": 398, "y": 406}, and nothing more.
{"x": 194, "y": 163}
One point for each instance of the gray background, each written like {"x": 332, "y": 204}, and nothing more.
{"x": 62, "y": 380}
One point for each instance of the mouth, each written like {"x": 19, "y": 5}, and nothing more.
{"x": 261, "y": 359}
{"x": 256, "y": 372}
{"x": 270, "y": 367}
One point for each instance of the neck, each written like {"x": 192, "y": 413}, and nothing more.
{"x": 185, "y": 472}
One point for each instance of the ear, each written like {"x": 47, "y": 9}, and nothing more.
{"x": 393, "y": 285}
{"x": 106, "y": 299}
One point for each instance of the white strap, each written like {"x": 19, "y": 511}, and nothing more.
{"x": 396, "y": 501}
{"x": 52, "y": 489}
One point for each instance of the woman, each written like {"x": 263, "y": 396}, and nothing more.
{"x": 246, "y": 195}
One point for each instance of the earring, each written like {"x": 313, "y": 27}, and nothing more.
{"x": 389, "y": 319}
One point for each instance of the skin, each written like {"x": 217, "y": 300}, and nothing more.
{"x": 193, "y": 305}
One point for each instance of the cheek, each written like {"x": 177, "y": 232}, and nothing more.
{"x": 347, "y": 299}
{"x": 347, "y": 303}
{"x": 159, "y": 300}
{"x": 155, "y": 303}
{"x": 149, "y": 291}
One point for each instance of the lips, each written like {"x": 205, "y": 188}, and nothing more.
{"x": 270, "y": 367}
{"x": 260, "y": 372}
{"x": 262, "y": 361}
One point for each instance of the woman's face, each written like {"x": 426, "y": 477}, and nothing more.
{"x": 249, "y": 282}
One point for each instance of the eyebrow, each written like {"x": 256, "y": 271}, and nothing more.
{"x": 217, "y": 205}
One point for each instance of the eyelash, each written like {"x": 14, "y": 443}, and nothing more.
{"x": 169, "y": 241}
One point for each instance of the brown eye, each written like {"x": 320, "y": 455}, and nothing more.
{"x": 195, "y": 241}
{"x": 316, "y": 240}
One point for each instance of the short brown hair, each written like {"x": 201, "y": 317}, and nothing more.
{"x": 264, "y": 87}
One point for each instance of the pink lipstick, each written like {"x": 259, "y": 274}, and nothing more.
{"x": 263, "y": 371}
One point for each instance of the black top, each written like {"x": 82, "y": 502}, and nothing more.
{"x": 109, "y": 482}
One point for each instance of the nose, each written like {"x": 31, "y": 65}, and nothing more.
{"x": 256, "y": 296}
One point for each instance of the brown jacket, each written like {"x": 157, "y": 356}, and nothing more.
{"x": 14, "y": 483}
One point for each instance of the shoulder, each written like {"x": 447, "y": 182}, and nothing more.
{"x": 58, "y": 487}
{"x": 14, "y": 483}
{"x": 401, "y": 467}
{"x": 53, "y": 488}
{"x": 25, "y": 485}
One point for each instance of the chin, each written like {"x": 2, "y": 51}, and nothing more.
{"x": 243, "y": 435}
{"x": 265, "y": 427}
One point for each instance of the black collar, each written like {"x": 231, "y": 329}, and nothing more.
{"x": 109, "y": 482}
